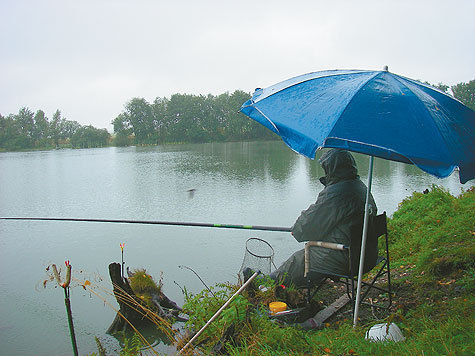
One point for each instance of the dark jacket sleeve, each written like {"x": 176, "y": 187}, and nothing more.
{"x": 333, "y": 206}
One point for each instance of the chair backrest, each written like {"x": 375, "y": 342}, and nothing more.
{"x": 380, "y": 226}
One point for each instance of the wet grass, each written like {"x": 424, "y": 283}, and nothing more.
{"x": 432, "y": 256}
{"x": 432, "y": 259}
{"x": 144, "y": 285}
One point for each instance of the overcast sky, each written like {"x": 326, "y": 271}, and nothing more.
{"x": 88, "y": 58}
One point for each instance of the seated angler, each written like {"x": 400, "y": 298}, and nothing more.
{"x": 337, "y": 216}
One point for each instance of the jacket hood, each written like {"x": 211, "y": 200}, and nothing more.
{"x": 339, "y": 165}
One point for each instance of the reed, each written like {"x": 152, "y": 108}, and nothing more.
{"x": 163, "y": 325}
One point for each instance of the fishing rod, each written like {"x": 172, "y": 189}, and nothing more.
{"x": 153, "y": 222}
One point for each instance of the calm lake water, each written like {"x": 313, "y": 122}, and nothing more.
{"x": 255, "y": 183}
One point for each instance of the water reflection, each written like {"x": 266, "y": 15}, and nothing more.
{"x": 151, "y": 334}
{"x": 239, "y": 160}
{"x": 250, "y": 183}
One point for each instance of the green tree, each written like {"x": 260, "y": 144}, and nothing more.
{"x": 89, "y": 137}
{"x": 3, "y": 130}
{"x": 194, "y": 119}
{"x": 29, "y": 130}
{"x": 159, "y": 112}
{"x": 68, "y": 128}
{"x": 56, "y": 127}
{"x": 240, "y": 125}
{"x": 8, "y": 132}
{"x": 441, "y": 86}
{"x": 121, "y": 124}
{"x": 122, "y": 129}
{"x": 189, "y": 118}
{"x": 465, "y": 92}
{"x": 41, "y": 129}
{"x": 221, "y": 113}
{"x": 25, "y": 122}
{"x": 138, "y": 114}
{"x": 176, "y": 129}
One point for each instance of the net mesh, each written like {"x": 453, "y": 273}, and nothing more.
{"x": 258, "y": 256}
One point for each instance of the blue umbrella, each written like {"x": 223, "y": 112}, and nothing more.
{"x": 377, "y": 113}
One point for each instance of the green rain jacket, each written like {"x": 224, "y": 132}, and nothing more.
{"x": 337, "y": 216}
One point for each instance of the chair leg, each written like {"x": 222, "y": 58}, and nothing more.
{"x": 350, "y": 288}
{"x": 390, "y": 293}
{"x": 311, "y": 294}
{"x": 382, "y": 271}
{"x": 308, "y": 293}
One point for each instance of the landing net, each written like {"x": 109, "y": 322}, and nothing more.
{"x": 258, "y": 256}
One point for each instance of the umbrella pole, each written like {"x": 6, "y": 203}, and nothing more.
{"x": 363, "y": 243}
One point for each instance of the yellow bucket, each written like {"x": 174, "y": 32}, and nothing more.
{"x": 276, "y": 307}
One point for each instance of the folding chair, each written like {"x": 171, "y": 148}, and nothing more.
{"x": 379, "y": 228}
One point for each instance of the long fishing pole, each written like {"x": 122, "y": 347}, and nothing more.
{"x": 152, "y": 222}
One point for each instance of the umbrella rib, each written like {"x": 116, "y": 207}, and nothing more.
{"x": 393, "y": 152}
{"x": 362, "y": 85}
{"x": 269, "y": 120}
{"x": 401, "y": 81}
{"x": 277, "y": 131}
{"x": 430, "y": 87}
{"x": 262, "y": 97}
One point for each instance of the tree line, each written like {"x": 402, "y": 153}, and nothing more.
{"x": 178, "y": 119}
{"x": 187, "y": 118}
{"x": 29, "y": 130}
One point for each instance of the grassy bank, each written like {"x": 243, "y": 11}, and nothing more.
{"x": 432, "y": 249}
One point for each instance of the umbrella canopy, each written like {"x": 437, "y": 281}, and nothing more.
{"x": 371, "y": 112}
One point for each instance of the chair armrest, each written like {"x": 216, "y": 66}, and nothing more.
{"x": 323, "y": 244}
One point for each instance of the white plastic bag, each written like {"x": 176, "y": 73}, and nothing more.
{"x": 385, "y": 332}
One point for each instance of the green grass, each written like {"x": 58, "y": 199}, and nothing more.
{"x": 432, "y": 255}
{"x": 435, "y": 231}
{"x": 144, "y": 285}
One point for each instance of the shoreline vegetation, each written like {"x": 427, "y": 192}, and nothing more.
{"x": 182, "y": 118}
{"x": 432, "y": 253}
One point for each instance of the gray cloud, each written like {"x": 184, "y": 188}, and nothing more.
{"x": 88, "y": 58}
